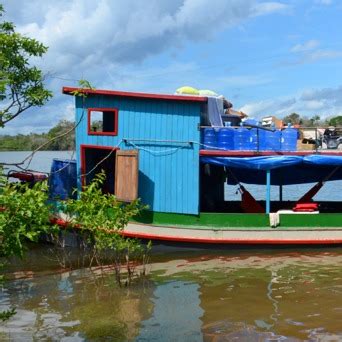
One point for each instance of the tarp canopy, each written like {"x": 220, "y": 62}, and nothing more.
{"x": 285, "y": 170}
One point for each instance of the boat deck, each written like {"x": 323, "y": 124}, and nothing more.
{"x": 236, "y": 153}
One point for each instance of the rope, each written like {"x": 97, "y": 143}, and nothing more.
{"x": 169, "y": 151}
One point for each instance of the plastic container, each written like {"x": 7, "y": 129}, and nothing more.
{"x": 225, "y": 138}
{"x": 254, "y": 145}
{"x": 269, "y": 141}
{"x": 63, "y": 179}
{"x": 289, "y": 139}
{"x": 209, "y": 139}
{"x": 242, "y": 138}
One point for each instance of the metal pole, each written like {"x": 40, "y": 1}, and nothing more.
{"x": 268, "y": 191}
{"x": 280, "y": 193}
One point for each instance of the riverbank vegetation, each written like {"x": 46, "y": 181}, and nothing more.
{"x": 31, "y": 142}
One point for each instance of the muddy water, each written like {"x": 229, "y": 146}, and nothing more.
{"x": 242, "y": 295}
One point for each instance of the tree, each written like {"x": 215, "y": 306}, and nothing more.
{"x": 315, "y": 120}
{"x": 293, "y": 119}
{"x": 21, "y": 85}
{"x": 68, "y": 141}
{"x": 335, "y": 121}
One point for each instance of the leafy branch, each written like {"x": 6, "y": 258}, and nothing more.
{"x": 21, "y": 85}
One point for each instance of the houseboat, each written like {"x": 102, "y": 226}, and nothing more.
{"x": 175, "y": 154}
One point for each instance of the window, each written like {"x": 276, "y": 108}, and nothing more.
{"x": 102, "y": 121}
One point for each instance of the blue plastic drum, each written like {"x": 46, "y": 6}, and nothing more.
{"x": 269, "y": 141}
{"x": 289, "y": 139}
{"x": 209, "y": 139}
{"x": 63, "y": 179}
{"x": 242, "y": 138}
{"x": 225, "y": 138}
{"x": 254, "y": 139}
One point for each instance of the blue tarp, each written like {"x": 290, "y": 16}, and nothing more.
{"x": 285, "y": 169}
{"x": 254, "y": 163}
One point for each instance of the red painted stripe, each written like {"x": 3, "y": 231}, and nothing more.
{"x": 69, "y": 90}
{"x": 220, "y": 153}
{"x": 231, "y": 241}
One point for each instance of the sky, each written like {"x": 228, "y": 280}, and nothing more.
{"x": 266, "y": 57}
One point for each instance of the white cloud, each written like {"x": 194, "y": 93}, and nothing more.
{"x": 84, "y": 33}
{"x": 308, "y": 52}
{"x": 323, "y": 2}
{"x": 324, "y": 102}
{"x": 323, "y": 54}
{"x": 244, "y": 80}
{"x": 309, "y": 45}
{"x": 269, "y": 7}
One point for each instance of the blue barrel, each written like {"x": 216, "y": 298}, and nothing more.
{"x": 289, "y": 139}
{"x": 269, "y": 141}
{"x": 209, "y": 139}
{"x": 254, "y": 139}
{"x": 242, "y": 138}
{"x": 225, "y": 138}
{"x": 63, "y": 179}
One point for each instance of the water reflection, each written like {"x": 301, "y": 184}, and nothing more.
{"x": 197, "y": 296}
{"x": 176, "y": 314}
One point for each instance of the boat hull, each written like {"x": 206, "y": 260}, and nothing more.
{"x": 240, "y": 236}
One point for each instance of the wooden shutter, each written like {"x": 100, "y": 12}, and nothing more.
{"x": 126, "y": 175}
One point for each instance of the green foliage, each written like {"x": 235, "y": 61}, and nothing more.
{"x": 25, "y": 215}
{"x": 293, "y": 119}
{"x": 95, "y": 211}
{"x": 84, "y": 85}
{"x": 296, "y": 119}
{"x": 7, "y": 314}
{"x": 21, "y": 85}
{"x": 99, "y": 219}
{"x": 335, "y": 121}
{"x": 67, "y": 142}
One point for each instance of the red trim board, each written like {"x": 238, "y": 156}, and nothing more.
{"x": 70, "y": 90}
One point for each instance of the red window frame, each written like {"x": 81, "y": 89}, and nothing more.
{"x": 115, "y": 113}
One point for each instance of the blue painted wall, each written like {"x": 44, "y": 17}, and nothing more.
{"x": 168, "y": 172}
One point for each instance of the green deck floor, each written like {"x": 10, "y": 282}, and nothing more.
{"x": 240, "y": 221}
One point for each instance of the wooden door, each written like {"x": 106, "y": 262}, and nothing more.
{"x": 126, "y": 175}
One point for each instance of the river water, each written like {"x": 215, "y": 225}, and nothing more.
{"x": 188, "y": 295}
{"x": 236, "y": 295}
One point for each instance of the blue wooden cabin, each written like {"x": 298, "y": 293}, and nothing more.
{"x": 163, "y": 128}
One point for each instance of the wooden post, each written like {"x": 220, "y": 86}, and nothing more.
{"x": 268, "y": 191}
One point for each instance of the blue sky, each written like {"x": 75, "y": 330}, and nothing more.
{"x": 266, "y": 57}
